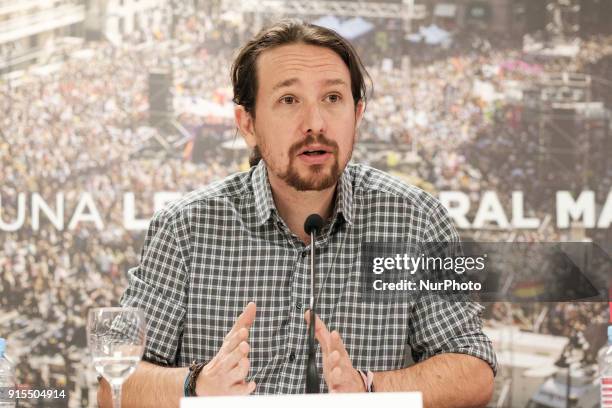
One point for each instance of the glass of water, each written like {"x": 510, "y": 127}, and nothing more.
{"x": 116, "y": 338}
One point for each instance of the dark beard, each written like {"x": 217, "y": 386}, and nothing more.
{"x": 316, "y": 180}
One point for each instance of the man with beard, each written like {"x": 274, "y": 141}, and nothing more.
{"x": 224, "y": 273}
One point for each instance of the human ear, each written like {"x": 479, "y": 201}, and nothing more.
{"x": 359, "y": 109}
{"x": 246, "y": 125}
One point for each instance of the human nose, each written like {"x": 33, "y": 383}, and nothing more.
{"x": 313, "y": 120}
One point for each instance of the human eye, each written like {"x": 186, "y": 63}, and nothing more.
{"x": 334, "y": 98}
{"x": 287, "y": 99}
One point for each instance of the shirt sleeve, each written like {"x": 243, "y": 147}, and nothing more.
{"x": 440, "y": 325}
{"x": 158, "y": 287}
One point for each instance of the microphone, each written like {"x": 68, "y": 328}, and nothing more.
{"x": 312, "y": 225}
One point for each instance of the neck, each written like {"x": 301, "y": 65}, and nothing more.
{"x": 295, "y": 206}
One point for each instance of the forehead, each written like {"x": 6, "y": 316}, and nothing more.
{"x": 303, "y": 61}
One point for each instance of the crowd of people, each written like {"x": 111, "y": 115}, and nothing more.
{"x": 78, "y": 130}
{"x": 83, "y": 128}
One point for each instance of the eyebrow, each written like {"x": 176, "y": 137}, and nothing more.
{"x": 292, "y": 81}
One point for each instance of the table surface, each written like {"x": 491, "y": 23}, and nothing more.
{"x": 403, "y": 399}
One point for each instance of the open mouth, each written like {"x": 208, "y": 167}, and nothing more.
{"x": 314, "y": 152}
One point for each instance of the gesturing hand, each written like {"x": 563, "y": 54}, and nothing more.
{"x": 225, "y": 374}
{"x": 338, "y": 370}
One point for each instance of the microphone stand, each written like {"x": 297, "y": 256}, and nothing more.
{"x": 312, "y": 225}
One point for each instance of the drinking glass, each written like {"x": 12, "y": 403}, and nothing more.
{"x": 116, "y": 337}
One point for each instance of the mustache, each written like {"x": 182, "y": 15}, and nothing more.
{"x": 311, "y": 139}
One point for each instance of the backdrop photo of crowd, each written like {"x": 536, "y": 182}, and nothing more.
{"x": 126, "y": 106}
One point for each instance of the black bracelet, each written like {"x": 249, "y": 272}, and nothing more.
{"x": 189, "y": 387}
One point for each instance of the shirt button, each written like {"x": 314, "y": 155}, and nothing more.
{"x": 298, "y": 305}
{"x": 285, "y": 322}
{"x": 292, "y": 357}
{"x": 304, "y": 254}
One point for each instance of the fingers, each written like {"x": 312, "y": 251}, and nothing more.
{"x": 339, "y": 359}
{"x": 329, "y": 341}
{"x": 334, "y": 367}
{"x": 240, "y": 330}
{"x": 337, "y": 344}
{"x": 240, "y": 371}
{"x": 227, "y": 371}
{"x": 246, "y": 319}
{"x": 336, "y": 378}
{"x": 338, "y": 370}
{"x": 244, "y": 388}
{"x": 231, "y": 359}
{"x": 340, "y": 374}
{"x": 334, "y": 358}
{"x": 232, "y": 341}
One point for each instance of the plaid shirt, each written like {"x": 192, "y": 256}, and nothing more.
{"x": 208, "y": 254}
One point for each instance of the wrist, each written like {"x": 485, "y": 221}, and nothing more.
{"x": 186, "y": 384}
{"x": 367, "y": 378}
{"x": 189, "y": 386}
